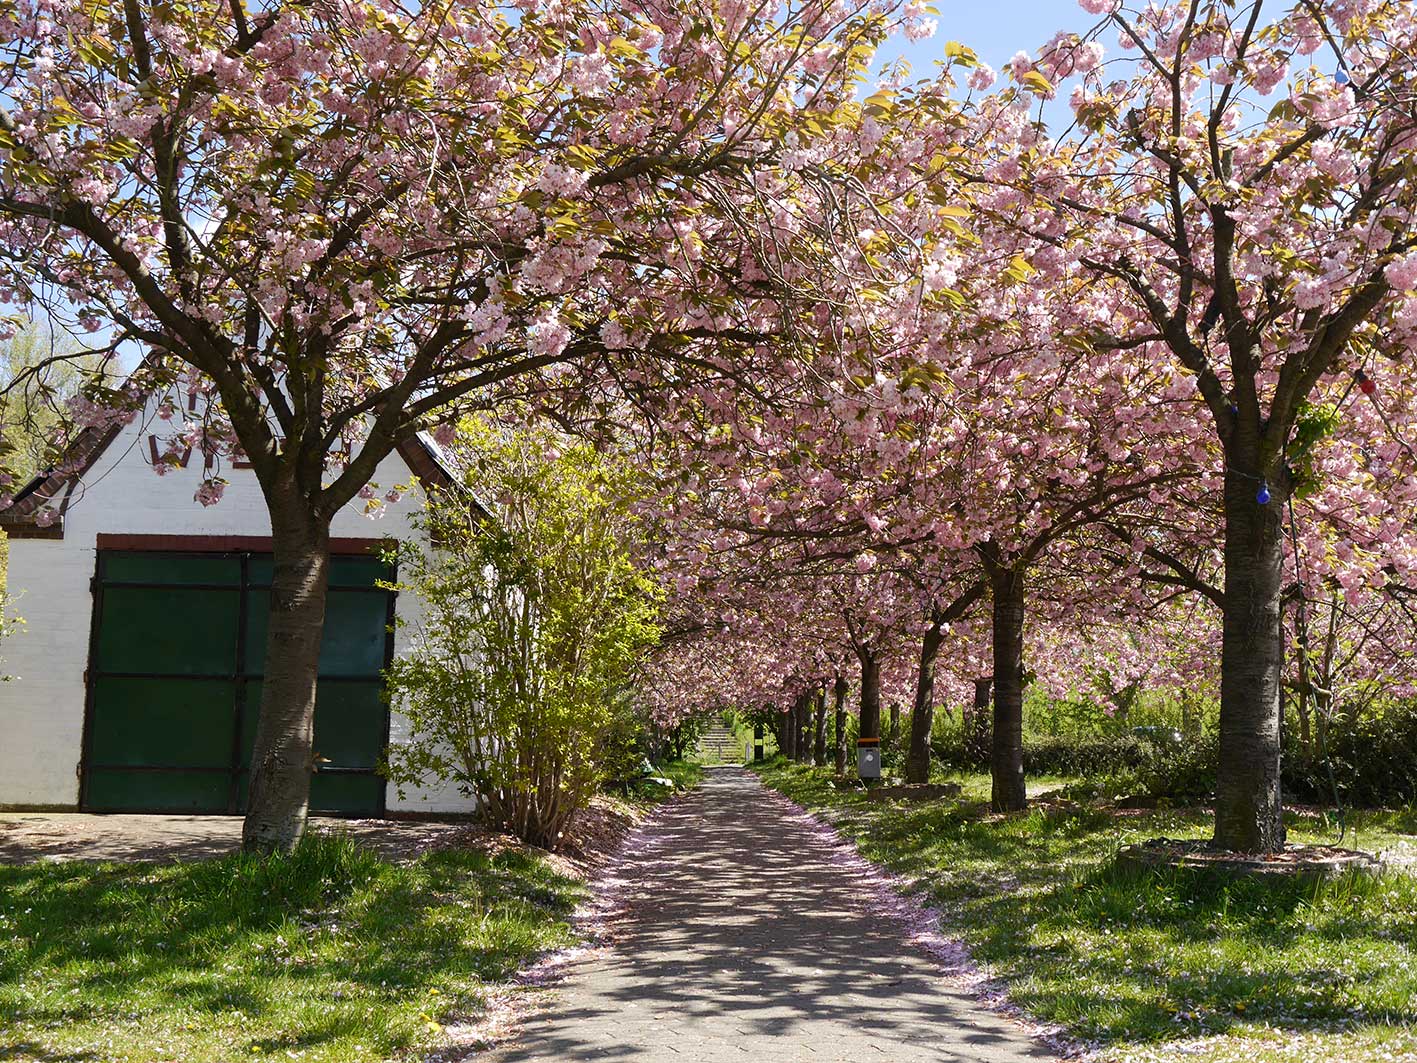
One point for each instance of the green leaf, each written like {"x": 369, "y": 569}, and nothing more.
{"x": 961, "y": 53}
{"x": 1037, "y": 82}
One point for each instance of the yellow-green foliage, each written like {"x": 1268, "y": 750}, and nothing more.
{"x": 536, "y": 618}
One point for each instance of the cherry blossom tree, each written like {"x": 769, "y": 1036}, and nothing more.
{"x": 1245, "y": 193}
{"x": 348, "y": 222}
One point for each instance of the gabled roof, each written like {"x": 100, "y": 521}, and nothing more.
{"x": 18, "y": 520}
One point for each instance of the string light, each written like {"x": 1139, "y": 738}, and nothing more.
{"x": 1365, "y": 383}
{"x": 1263, "y": 497}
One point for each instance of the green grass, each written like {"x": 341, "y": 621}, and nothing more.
{"x": 1134, "y": 960}
{"x": 684, "y": 774}
{"x": 329, "y": 954}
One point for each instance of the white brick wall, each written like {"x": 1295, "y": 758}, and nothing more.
{"x": 42, "y": 705}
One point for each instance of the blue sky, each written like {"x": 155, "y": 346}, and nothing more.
{"x": 996, "y": 29}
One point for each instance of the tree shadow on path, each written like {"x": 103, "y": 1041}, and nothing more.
{"x": 749, "y": 937}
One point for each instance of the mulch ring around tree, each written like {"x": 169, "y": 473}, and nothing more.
{"x": 1318, "y": 861}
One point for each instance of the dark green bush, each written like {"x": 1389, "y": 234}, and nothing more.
{"x": 1183, "y": 771}
{"x": 1089, "y": 757}
{"x": 1371, "y": 762}
{"x": 1051, "y": 754}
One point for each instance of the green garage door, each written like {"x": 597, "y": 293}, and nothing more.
{"x": 175, "y": 670}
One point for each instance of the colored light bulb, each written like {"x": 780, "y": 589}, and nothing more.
{"x": 1263, "y": 497}
{"x": 1366, "y": 384}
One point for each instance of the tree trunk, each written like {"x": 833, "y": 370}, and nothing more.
{"x": 839, "y": 689}
{"x": 788, "y": 745}
{"x": 279, "y": 793}
{"x": 922, "y": 713}
{"x": 870, "y": 695}
{"x": 819, "y": 746}
{"x": 1248, "y": 805}
{"x": 1009, "y": 794}
{"x": 974, "y": 733}
{"x": 803, "y": 712}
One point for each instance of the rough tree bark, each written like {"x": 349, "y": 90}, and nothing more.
{"x": 922, "y": 713}
{"x": 283, "y": 757}
{"x": 1006, "y": 762}
{"x": 870, "y": 712}
{"x": 1248, "y": 803}
{"x": 819, "y": 745}
{"x": 839, "y": 690}
{"x": 787, "y": 733}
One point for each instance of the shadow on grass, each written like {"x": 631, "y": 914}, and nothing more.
{"x": 36, "y": 1053}
{"x": 301, "y": 946}
{"x": 1132, "y": 955}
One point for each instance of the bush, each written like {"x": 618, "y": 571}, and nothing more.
{"x": 1090, "y": 757}
{"x": 536, "y": 619}
{"x": 1373, "y": 761}
{"x": 1051, "y": 754}
{"x": 1183, "y": 771}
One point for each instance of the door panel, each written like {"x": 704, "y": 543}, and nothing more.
{"x": 350, "y": 723}
{"x": 157, "y": 791}
{"x": 169, "y": 723}
{"x": 174, "y": 691}
{"x": 356, "y": 632}
{"x": 168, "y": 631}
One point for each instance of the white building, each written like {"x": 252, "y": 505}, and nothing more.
{"x": 135, "y": 680}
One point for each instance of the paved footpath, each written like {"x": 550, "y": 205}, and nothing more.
{"x": 743, "y": 944}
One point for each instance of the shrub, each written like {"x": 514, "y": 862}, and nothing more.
{"x": 1365, "y": 763}
{"x": 1181, "y": 771}
{"x": 1091, "y": 757}
{"x": 516, "y": 688}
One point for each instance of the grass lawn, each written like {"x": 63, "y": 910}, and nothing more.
{"x": 329, "y": 954}
{"x": 683, "y": 773}
{"x": 1254, "y": 971}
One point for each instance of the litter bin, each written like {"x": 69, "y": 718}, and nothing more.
{"x": 868, "y": 758}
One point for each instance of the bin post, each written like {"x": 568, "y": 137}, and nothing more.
{"x": 868, "y": 758}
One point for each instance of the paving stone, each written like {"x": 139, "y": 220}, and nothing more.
{"x": 746, "y": 942}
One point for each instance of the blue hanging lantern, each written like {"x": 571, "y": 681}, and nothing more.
{"x": 1340, "y": 76}
{"x": 1263, "y": 497}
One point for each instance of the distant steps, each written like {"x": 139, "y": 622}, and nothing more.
{"x": 717, "y": 745}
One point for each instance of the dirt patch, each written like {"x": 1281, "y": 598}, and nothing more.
{"x": 596, "y": 835}
{"x": 32, "y": 837}
{"x": 1320, "y": 861}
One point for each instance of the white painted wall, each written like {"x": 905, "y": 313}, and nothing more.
{"x": 42, "y": 705}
